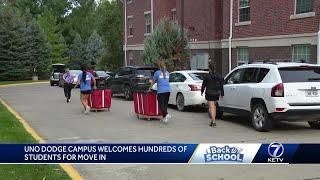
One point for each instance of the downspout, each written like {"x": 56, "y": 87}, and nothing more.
{"x": 230, "y": 34}
{"x": 125, "y": 32}
{"x": 151, "y": 16}
{"x": 318, "y": 47}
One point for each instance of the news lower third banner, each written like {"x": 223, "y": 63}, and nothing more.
{"x": 160, "y": 153}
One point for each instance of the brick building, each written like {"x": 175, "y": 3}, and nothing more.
{"x": 261, "y": 29}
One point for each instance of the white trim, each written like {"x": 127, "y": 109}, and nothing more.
{"x": 130, "y": 36}
{"x": 205, "y": 45}
{"x": 303, "y": 15}
{"x": 264, "y": 41}
{"x": 273, "y": 41}
{"x": 130, "y": 17}
{"x": 147, "y": 34}
{"x": 173, "y": 9}
{"x": 135, "y": 47}
{"x": 147, "y": 12}
{"x": 244, "y": 23}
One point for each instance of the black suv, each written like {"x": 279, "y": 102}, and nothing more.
{"x": 131, "y": 78}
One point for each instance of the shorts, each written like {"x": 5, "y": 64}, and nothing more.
{"x": 212, "y": 97}
{"x": 86, "y": 92}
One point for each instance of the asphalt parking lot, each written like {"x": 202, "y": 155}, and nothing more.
{"x": 45, "y": 109}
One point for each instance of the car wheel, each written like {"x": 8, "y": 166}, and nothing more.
{"x": 180, "y": 102}
{"x": 127, "y": 93}
{"x": 51, "y": 83}
{"x": 261, "y": 121}
{"x": 314, "y": 124}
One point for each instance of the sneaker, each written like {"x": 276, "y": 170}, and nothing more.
{"x": 87, "y": 111}
{"x": 212, "y": 124}
{"x": 68, "y": 100}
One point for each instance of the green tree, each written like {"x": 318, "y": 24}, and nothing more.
{"x": 76, "y": 53}
{"x": 13, "y": 46}
{"x": 48, "y": 21}
{"x": 110, "y": 27}
{"x": 37, "y": 48}
{"x": 165, "y": 43}
{"x": 94, "y": 48}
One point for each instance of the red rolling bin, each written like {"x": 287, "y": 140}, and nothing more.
{"x": 146, "y": 105}
{"x": 100, "y": 99}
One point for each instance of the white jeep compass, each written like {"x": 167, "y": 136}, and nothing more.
{"x": 274, "y": 92}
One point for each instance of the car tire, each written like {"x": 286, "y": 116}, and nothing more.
{"x": 260, "y": 119}
{"x": 180, "y": 102}
{"x": 128, "y": 93}
{"x": 314, "y": 124}
{"x": 51, "y": 83}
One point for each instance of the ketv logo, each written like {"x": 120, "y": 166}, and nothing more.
{"x": 226, "y": 154}
{"x": 275, "y": 150}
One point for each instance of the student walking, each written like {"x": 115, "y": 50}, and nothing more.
{"x": 213, "y": 85}
{"x": 84, "y": 79}
{"x": 161, "y": 77}
{"x": 68, "y": 80}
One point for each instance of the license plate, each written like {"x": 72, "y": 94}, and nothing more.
{"x": 312, "y": 93}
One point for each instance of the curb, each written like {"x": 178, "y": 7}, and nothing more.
{"x": 18, "y": 84}
{"x": 69, "y": 169}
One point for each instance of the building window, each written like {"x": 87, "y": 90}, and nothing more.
{"x": 148, "y": 22}
{"x": 174, "y": 16}
{"x": 129, "y": 1}
{"x": 304, "y": 6}
{"x": 130, "y": 26}
{"x": 301, "y": 53}
{"x": 244, "y": 10}
{"x": 131, "y": 58}
{"x": 242, "y": 56}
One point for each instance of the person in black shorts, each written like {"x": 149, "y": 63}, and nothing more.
{"x": 213, "y": 85}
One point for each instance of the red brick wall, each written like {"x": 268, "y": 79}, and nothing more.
{"x": 197, "y": 19}
{"x": 270, "y": 18}
{"x": 137, "y": 9}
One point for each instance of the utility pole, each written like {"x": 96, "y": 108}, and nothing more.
{"x": 318, "y": 46}
{"x": 230, "y": 34}
{"x": 182, "y": 33}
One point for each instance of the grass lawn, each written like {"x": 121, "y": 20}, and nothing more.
{"x": 19, "y": 82}
{"x": 12, "y": 131}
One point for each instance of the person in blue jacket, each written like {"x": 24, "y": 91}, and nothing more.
{"x": 161, "y": 77}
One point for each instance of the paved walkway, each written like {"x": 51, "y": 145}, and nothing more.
{"x": 58, "y": 122}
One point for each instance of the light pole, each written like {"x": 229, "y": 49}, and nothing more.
{"x": 182, "y": 34}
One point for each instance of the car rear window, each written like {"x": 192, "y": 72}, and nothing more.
{"x": 300, "y": 74}
{"x": 146, "y": 72}
{"x": 101, "y": 74}
{"x": 197, "y": 76}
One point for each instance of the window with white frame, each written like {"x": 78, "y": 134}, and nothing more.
{"x": 174, "y": 16}
{"x": 244, "y": 10}
{"x": 130, "y": 26}
{"x": 301, "y": 52}
{"x": 304, "y": 6}
{"x": 242, "y": 55}
{"x": 148, "y": 22}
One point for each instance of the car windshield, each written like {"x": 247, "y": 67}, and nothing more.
{"x": 75, "y": 72}
{"x": 58, "y": 68}
{"x": 197, "y": 76}
{"x": 101, "y": 74}
{"x": 146, "y": 72}
{"x": 300, "y": 74}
